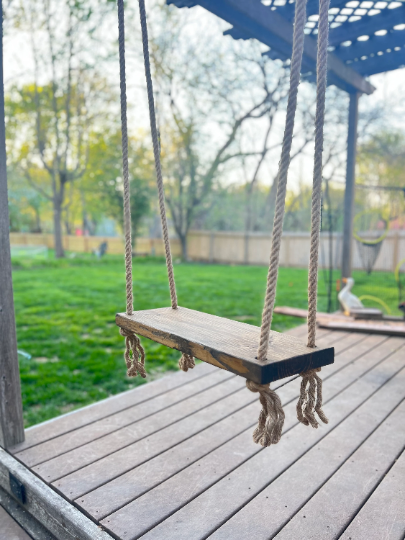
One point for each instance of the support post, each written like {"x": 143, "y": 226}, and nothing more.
{"x": 350, "y": 186}
{"x": 11, "y": 417}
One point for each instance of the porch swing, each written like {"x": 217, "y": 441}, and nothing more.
{"x": 260, "y": 355}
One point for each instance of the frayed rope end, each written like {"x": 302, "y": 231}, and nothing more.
{"x": 186, "y": 362}
{"x": 134, "y": 354}
{"x": 310, "y": 400}
{"x": 271, "y": 418}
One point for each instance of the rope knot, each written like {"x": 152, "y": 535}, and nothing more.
{"x": 271, "y": 418}
{"x": 134, "y": 354}
{"x": 310, "y": 400}
{"x": 186, "y": 362}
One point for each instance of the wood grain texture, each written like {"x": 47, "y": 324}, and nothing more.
{"x": 10, "y": 529}
{"x": 89, "y": 453}
{"x": 383, "y": 515}
{"x": 132, "y": 455}
{"x": 171, "y": 495}
{"x": 230, "y": 345}
{"x": 57, "y": 515}
{"x": 86, "y": 415}
{"x": 143, "y": 411}
{"x": 356, "y": 478}
{"x": 197, "y": 514}
{"x": 115, "y": 494}
{"x": 35, "y": 530}
{"x": 11, "y": 416}
{"x": 286, "y": 494}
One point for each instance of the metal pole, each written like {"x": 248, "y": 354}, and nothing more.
{"x": 11, "y": 416}
{"x": 350, "y": 185}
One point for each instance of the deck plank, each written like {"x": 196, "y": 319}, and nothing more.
{"x": 206, "y": 512}
{"x": 130, "y": 485}
{"x": 86, "y": 415}
{"x": 114, "y": 422}
{"x": 111, "y": 466}
{"x": 383, "y": 515}
{"x": 10, "y": 529}
{"x": 342, "y": 496}
{"x": 92, "y": 452}
{"x": 287, "y": 494}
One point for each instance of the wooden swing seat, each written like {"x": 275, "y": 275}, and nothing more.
{"x": 227, "y": 344}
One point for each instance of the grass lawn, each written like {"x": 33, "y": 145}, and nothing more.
{"x": 65, "y": 314}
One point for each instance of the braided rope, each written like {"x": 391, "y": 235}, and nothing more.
{"x": 322, "y": 69}
{"x": 296, "y": 61}
{"x": 311, "y": 384}
{"x": 124, "y": 142}
{"x": 156, "y": 153}
{"x": 310, "y": 400}
{"x": 186, "y": 362}
{"x": 271, "y": 418}
{"x": 134, "y": 354}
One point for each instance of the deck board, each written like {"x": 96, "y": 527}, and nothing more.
{"x": 202, "y": 510}
{"x": 383, "y": 514}
{"x": 10, "y": 529}
{"x": 175, "y": 459}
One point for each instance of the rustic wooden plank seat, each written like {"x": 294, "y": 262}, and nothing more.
{"x": 228, "y": 344}
{"x": 195, "y": 472}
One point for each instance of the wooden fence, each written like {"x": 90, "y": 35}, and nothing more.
{"x": 234, "y": 247}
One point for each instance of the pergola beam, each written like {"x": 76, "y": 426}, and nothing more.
{"x": 368, "y": 25}
{"x": 269, "y": 27}
{"x": 372, "y": 46}
{"x": 350, "y": 186}
{"x": 383, "y": 63}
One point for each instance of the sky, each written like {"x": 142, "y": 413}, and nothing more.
{"x": 18, "y": 68}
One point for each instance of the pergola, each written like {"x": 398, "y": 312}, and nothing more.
{"x": 366, "y": 37}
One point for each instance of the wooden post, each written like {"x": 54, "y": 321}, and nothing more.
{"x": 11, "y": 417}
{"x": 350, "y": 186}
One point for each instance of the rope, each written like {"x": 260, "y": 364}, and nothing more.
{"x": 124, "y": 142}
{"x": 156, "y": 152}
{"x": 296, "y": 60}
{"x": 134, "y": 354}
{"x": 271, "y": 418}
{"x": 322, "y": 69}
{"x": 310, "y": 400}
{"x": 311, "y": 384}
{"x": 186, "y": 362}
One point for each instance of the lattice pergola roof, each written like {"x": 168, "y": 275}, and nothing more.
{"x": 366, "y": 37}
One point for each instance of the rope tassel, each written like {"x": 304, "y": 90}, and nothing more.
{"x": 186, "y": 362}
{"x": 310, "y": 400}
{"x": 134, "y": 354}
{"x": 271, "y": 418}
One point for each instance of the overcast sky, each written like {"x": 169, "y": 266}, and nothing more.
{"x": 18, "y": 68}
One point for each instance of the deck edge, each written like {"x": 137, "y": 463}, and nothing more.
{"x": 60, "y": 517}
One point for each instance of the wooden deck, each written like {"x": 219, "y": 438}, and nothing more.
{"x": 175, "y": 459}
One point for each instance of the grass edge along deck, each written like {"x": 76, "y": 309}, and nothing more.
{"x": 225, "y": 343}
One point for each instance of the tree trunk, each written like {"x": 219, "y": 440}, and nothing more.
{"x": 57, "y": 228}
{"x": 38, "y": 226}
{"x": 184, "y": 250}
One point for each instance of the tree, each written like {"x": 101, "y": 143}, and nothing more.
{"x": 49, "y": 120}
{"x": 102, "y": 185}
{"x": 217, "y": 99}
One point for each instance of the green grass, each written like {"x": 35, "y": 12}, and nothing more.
{"x": 65, "y": 319}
